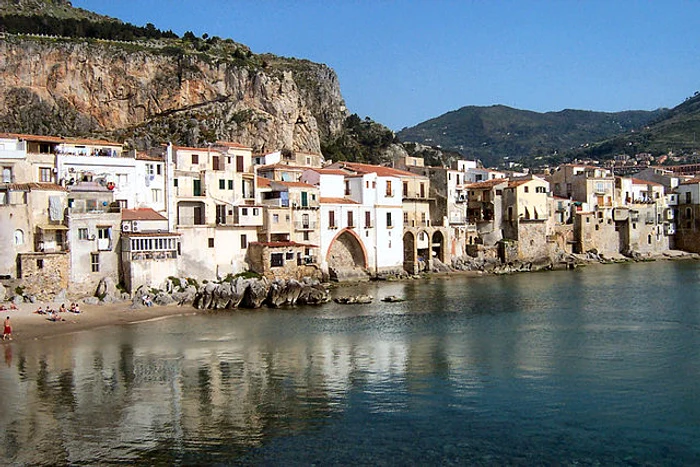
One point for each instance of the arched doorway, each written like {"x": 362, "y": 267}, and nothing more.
{"x": 347, "y": 258}
{"x": 409, "y": 253}
{"x": 438, "y": 246}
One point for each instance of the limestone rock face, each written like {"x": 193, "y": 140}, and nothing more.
{"x": 148, "y": 94}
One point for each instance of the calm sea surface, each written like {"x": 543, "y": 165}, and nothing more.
{"x": 597, "y": 366}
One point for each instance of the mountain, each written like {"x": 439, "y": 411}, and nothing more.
{"x": 66, "y": 71}
{"x": 678, "y": 132}
{"x": 494, "y": 133}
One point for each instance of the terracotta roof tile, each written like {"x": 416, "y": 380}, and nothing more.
{"x": 32, "y": 186}
{"x": 330, "y": 200}
{"x": 142, "y": 214}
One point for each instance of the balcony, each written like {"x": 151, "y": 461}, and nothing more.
{"x": 301, "y": 225}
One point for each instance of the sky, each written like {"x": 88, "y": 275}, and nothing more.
{"x": 404, "y": 62}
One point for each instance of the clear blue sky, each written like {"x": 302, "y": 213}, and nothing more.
{"x": 404, "y": 62}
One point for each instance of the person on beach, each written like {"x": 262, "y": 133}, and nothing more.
{"x": 39, "y": 310}
{"x": 77, "y": 308}
{"x": 72, "y": 307}
{"x": 7, "y": 330}
{"x": 63, "y": 308}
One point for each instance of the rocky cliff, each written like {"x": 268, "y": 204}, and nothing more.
{"x": 149, "y": 92}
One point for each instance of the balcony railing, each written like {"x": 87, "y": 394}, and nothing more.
{"x": 301, "y": 225}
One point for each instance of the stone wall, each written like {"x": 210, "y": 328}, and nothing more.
{"x": 532, "y": 240}
{"x": 43, "y": 275}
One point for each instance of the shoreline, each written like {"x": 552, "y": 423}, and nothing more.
{"x": 28, "y": 325}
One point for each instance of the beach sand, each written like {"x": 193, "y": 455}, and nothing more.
{"x": 28, "y": 325}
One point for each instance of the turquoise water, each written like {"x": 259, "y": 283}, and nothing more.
{"x": 597, "y": 366}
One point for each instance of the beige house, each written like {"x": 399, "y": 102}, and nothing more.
{"x": 213, "y": 206}
{"x": 94, "y": 223}
{"x": 485, "y": 209}
{"x": 526, "y": 207}
{"x": 34, "y": 244}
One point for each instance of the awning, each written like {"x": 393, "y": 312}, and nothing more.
{"x": 53, "y": 227}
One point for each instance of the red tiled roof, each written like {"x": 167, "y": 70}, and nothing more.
{"x": 150, "y": 234}
{"x": 43, "y": 186}
{"x": 232, "y": 145}
{"x": 142, "y": 156}
{"x": 690, "y": 181}
{"x": 59, "y": 139}
{"x": 294, "y": 184}
{"x": 328, "y": 171}
{"x": 263, "y": 182}
{"x": 324, "y": 200}
{"x": 487, "y": 183}
{"x": 637, "y": 181}
{"x": 142, "y": 214}
{"x": 380, "y": 170}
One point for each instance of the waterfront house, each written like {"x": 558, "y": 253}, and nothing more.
{"x": 148, "y": 251}
{"x": 360, "y": 222}
{"x": 212, "y": 205}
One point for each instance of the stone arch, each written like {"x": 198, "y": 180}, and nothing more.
{"x": 409, "y": 253}
{"x": 423, "y": 254}
{"x": 438, "y": 245}
{"x": 346, "y": 256}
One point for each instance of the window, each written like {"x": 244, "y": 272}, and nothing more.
{"x": 347, "y": 187}
{"x": 244, "y": 241}
{"x": 44, "y": 174}
{"x": 40, "y": 264}
{"x": 368, "y": 219}
{"x": 388, "y": 188}
{"x": 388, "y": 220}
{"x": 83, "y": 234}
{"x": 244, "y": 211}
{"x": 405, "y": 218}
{"x": 95, "y": 262}
{"x": 7, "y": 175}
{"x": 159, "y": 169}
{"x": 540, "y": 189}
{"x": 405, "y": 189}
{"x": 19, "y": 237}
{"x": 222, "y": 184}
{"x": 277, "y": 260}
{"x": 351, "y": 219}
{"x": 195, "y": 158}
{"x": 175, "y": 182}
{"x": 220, "y": 214}
{"x": 123, "y": 204}
{"x": 688, "y": 198}
{"x": 422, "y": 190}
{"x": 196, "y": 187}
{"x": 331, "y": 219}
{"x": 289, "y": 255}
{"x": 230, "y": 184}
{"x": 149, "y": 169}
{"x": 156, "y": 195}
{"x": 103, "y": 233}
{"x": 211, "y": 242}
{"x": 306, "y": 235}
{"x": 239, "y": 163}
{"x": 275, "y": 218}
{"x": 216, "y": 163}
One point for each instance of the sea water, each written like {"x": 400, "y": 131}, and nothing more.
{"x": 596, "y": 366}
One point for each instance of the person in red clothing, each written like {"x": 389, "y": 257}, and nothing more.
{"x": 7, "y": 330}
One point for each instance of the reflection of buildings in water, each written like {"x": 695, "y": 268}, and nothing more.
{"x": 133, "y": 391}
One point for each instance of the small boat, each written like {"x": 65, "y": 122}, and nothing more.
{"x": 393, "y": 299}
{"x": 354, "y": 300}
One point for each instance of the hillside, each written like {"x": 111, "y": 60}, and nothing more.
{"x": 497, "y": 132}
{"x": 156, "y": 87}
{"x": 677, "y": 132}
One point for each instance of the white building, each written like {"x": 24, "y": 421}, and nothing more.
{"x": 361, "y": 224}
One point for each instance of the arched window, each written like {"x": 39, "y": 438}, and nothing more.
{"x": 19, "y": 237}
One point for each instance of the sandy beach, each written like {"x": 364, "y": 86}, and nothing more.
{"x": 28, "y": 325}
